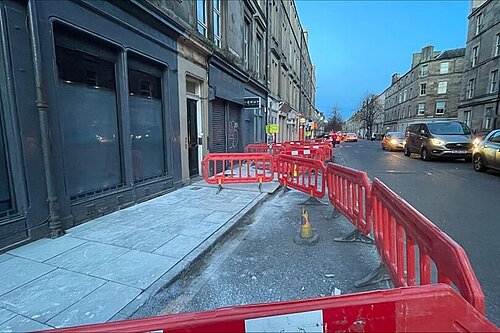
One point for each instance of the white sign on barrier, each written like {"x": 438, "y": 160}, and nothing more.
{"x": 310, "y": 321}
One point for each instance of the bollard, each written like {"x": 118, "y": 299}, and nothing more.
{"x": 306, "y": 235}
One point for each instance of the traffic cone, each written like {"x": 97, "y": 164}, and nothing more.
{"x": 306, "y": 235}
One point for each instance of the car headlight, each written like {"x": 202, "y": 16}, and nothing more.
{"x": 437, "y": 142}
{"x": 476, "y": 141}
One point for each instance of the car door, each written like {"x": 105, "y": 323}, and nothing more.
{"x": 492, "y": 150}
{"x": 420, "y": 137}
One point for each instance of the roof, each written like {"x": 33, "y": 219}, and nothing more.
{"x": 448, "y": 54}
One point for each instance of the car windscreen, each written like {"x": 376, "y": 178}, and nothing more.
{"x": 398, "y": 135}
{"x": 449, "y": 128}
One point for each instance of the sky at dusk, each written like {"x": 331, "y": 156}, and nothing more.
{"x": 357, "y": 45}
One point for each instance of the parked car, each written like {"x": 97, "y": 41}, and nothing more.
{"x": 393, "y": 141}
{"x": 486, "y": 153}
{"x": 447, "y": 138}
{"x": 351, "y": 137}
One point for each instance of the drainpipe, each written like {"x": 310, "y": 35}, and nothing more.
{"x": 42, "y": 107}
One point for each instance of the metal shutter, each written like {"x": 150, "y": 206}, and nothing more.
{"x": 218, "y": 128}
{"x": 234, "y": 129}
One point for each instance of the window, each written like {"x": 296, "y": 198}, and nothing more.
{"x": 5, "y": 192}
{"x": 258, "y": 50}
{"x": 440, "y": 107}
{"x": 470, "y": 88}
{"x": 494, "y": 81}
{"x": 405, "y": 95}
{"x": 424, "y": 71}
{"x": 217, "y": 22}
{"x": 475, "y": 55}
{"x": 423, "y": 88}
{"x": 421, "y": 109}
{"x": 495, "y": 137}
{"x": 479, "y": 22}
{"x": 442, "y": 86}
{"x": 89, "y": 115}
{"x": 400, "y": 97}
{"x": 146, "y": 120}
{"x": 468, "y": 117}
{"x": 489, "y": 116}
{"x": 201, "y": 13}
{"x": 246, "y": 43}
{"x": 443, "y": 69}
{"x": 497, "y": 47}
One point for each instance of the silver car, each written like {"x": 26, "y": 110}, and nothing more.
{"x": 487, "y": 152}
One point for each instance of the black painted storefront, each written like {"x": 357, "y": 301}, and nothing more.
{"x": 231, "y": 125}
{"x": 109, "y": 72}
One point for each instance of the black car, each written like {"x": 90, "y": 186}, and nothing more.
{"x": 486, "y": 153}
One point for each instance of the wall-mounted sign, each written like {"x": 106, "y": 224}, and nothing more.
{"x": 272, "y": 128}
{"x": 308, "y": 133}
{"x": 252, "y": 102}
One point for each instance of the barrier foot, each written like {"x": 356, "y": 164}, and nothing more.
{"x": 335, "y": 214}
{"x": 285, "y": 189}
{"x": 379, "y": 274}
{"x": 313, "y": 201}
{"x": 219, "y": 188}
{"x": 355, "y": 236}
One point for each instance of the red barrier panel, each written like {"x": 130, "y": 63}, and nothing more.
{"x": 349, "y": 190}
{"x": 325, "y": 146}
{"x": 257, "y": 148}
{"x": 238, "y": 168}
{"x": 315, "y": 154}
{"x": 302, "y": 174}
{"x": 434, "y": 308}
{"x": 412, "y": 247}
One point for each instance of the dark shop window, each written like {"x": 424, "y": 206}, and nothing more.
{"x": 146, "y": 124}
{"x": 5, "y": 195}
{"x": 88, "y": 109}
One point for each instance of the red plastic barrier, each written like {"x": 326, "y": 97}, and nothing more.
{"x": 315, "y": 154}
{"x": 230, "y": 168}
{"x": 433, "y": 308}
{"x": 257, "y": 148}
{"x": 349, "y": 190}
{"x": 325, "y": 146}
{"x": 402, "y": 234}
{"x": 302, "y": 174}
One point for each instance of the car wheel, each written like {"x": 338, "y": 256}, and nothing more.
{"x": 406, "y": 151}
{"x": 425, "y": 154}
{"x": 478, "y": 163}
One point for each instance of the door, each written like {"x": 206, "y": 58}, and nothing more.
{"x": 192, "y": 129}
{"x": 233, "y": 128}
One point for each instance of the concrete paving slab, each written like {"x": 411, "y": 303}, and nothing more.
{"x": 200, "y": 230}
{"x": 5, "y": 257}
{"x": 6, "y": 315}
{"x": 102, "y": 232}
{"x": 135, "y": 269}
{"x": 179, "y": 246}
{"x": 50, "y": 294}
{"x": 145, "y": 240}
{"x": 17, "y": 271}
{"x": 23, "y": 324}
{"x": 218, "y": 218}
{"x": 99, "y": 306}
{"x": 87, "y": 257}
{"x": 46, "y": 248}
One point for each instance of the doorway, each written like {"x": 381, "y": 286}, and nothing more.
{"x": 192, "y": 128}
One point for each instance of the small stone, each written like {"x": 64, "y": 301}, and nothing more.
{"x": 303, "y": 288}
{"x": 330, "y": 275}
{"x": 254, "y": 277}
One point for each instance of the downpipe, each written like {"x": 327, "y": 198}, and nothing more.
{"x": 42, "y": 107}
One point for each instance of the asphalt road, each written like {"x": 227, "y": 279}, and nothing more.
{"x": 259, "y": 262}
{"x": 460, "y": 201}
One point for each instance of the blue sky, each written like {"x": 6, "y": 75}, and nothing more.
{"x": 357, "y": 45}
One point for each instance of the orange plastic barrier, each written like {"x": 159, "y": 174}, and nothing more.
{"x": 303, "y": 174}
{"x": 433, "y": 308}
{"x": 257, "y": 148}
{"x": 325, "y": 146}
{"x": 228, "y": 168}
{"x": 412, "y": 248}
{"x": 349, "y": 191}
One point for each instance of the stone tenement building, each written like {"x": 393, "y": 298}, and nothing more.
{"x": 107, "y": 103}
{"x": 480, "y": 93}
{"x": 429, "y": 90}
